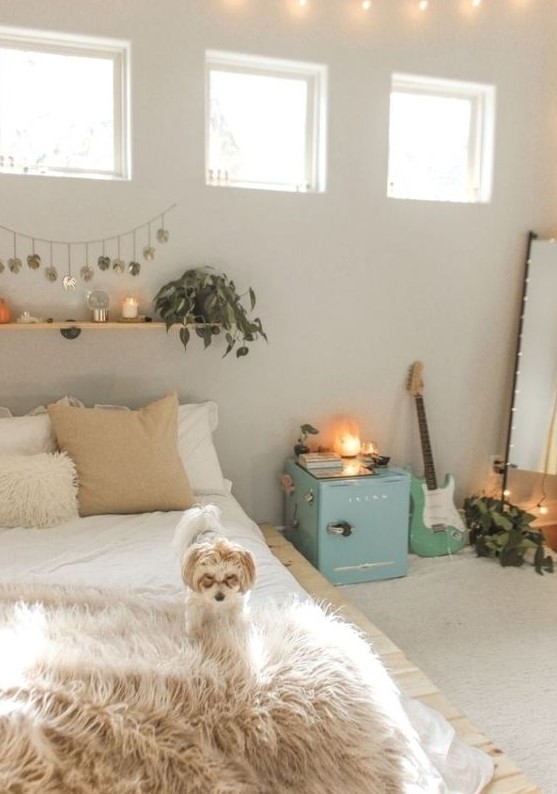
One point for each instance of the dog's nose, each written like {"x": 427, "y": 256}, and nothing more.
{"x": 219, "y": 597}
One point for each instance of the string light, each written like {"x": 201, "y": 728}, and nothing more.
{"x": 542, "y": 508}
{"x": 366, "y": 5}
{"x": 423, "y": 5}
{"x": 476, "y": 3}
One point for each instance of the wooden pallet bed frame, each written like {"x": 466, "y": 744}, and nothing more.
{"x": 508, "y": 778}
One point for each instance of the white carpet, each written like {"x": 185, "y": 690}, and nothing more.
{"x": 487, "y": 636}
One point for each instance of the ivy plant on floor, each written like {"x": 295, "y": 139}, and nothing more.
{"x": 500, "y": 529}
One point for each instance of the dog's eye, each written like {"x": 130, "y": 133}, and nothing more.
{"x": 207, "y": 581}
{"x": 232, "y": 580}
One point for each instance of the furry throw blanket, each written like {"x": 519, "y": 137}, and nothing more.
{"x": 101, "y": 691}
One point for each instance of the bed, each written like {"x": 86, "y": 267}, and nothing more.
{"x": 71, "y": 584}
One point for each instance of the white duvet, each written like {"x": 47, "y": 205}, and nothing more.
{"x": 136, "y": 551}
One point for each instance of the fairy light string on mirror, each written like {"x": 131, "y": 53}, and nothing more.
{"x": 81, "y": 250}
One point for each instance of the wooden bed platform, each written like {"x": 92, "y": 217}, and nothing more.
{"x": 411, "y": 681}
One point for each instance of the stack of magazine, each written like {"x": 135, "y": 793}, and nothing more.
{"x": 320, "y": 460}
{"x": 326, "y": 465}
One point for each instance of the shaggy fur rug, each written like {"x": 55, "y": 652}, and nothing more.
{"x": 100, "y": 691}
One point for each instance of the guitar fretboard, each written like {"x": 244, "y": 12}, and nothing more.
{"x": 429, "y": 468}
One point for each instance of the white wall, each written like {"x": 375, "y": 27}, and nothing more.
{"x": 352, "y": 287}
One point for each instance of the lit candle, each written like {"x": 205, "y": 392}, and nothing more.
{"x": 130, "y": 308}
{"x": 347, "y": 439}
{"x": 349, "y": 445}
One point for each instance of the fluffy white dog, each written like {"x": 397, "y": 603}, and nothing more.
{"x": 218, "y": 574}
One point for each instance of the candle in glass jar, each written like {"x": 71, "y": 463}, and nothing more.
{"x": 130, "y": 309}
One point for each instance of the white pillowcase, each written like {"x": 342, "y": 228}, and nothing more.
{"x": 26, "y": 435}
{"x": 37, "y": 490}
{"x": 196, "y": 423}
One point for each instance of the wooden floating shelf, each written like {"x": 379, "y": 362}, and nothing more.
{"x": 84, "y": 325}
{"x": 71, "y": 329}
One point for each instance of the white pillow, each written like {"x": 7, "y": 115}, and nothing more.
{"x": 26, "y": 435}
{"x": 37, "y": 490}
{"x": 196, "y": 423}
{"x": 32, "y": 433}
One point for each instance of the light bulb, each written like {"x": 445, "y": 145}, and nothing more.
{"x": 423, "y": 4}
{"x": 302, "y": 3}
{"x": 366, "y": 5}
{"x": 506, "y": 493}
{"x": 543, "y": 510}
{"x": 476, "y": 3}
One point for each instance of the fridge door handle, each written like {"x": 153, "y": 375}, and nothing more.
{"x": 339, "y": 528}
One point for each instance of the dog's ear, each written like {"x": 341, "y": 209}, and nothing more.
{"x": 189, "y": 564}
{"x": 249, "y": 571}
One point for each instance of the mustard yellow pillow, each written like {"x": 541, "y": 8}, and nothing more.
{"x": 126, "y": 461}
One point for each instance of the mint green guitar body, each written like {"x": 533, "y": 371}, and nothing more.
{"x": 436, "y": 528}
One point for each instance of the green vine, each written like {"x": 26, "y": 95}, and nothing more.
{"x": 208, "y": 302}
{"x": 502, "y": 530}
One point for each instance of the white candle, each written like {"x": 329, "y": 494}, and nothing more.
{"x": 129, "y": 308}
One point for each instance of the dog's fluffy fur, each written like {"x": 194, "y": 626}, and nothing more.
{"x": 113, "y": 697}
{"x": 218, "y": 574}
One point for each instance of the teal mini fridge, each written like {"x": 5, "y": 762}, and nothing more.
{"x": 351, "y": 528}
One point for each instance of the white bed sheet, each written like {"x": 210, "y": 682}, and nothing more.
{"x": 131, "y": 551}
{"x": 135, "y": 551}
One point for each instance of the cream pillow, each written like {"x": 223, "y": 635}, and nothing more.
{"x": 26, "y": 435}
{"x": 37, "y": 490}
{"x": 126, "y": 461}
{"x": 196, "y": 423}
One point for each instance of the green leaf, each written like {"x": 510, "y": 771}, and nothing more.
{"x": 184, "y": 336}
{"x": 307, "y": 429}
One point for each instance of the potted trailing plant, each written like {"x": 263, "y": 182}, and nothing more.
{"x": 500, "y": 529}
{"x": 208, "y": 302}
{"x": 301, "y": 446}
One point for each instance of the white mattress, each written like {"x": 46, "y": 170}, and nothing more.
{"x": 136, "y": 551}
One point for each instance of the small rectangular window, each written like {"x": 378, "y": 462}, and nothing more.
{"x": 265, "y": 123}
{"x": 63, "y": 105}
{"x": 441, "y": 135}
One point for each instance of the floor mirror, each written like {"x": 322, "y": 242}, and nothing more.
{"x": 532, "y": 429}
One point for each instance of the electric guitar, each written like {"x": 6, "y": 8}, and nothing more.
{"x": 436, "y": 527}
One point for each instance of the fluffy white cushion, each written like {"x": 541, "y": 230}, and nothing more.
{"x": 37, "y": 490}
{"x": 196, "y": 423}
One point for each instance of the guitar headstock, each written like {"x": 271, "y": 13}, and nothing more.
{"x": 415, "y": 379}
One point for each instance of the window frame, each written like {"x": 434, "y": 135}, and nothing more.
{"x": 482, "y": 98}
{"x": 315, "y": 77}
{"x": 116, "y": 50}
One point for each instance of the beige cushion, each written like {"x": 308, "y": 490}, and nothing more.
{"x": 126, "y": 461}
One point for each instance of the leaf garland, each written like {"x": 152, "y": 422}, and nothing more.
{"x": 80, "y": 249}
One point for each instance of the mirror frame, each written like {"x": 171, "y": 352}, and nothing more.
{"x": 518, "y": 352}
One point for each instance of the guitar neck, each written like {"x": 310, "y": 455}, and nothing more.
{"x": 429, "y": 468}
